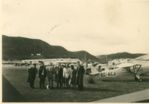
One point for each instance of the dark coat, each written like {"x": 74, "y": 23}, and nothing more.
{"x": 42, "y": 72}
{"x": 32, "y": 74}
{"x": 60, "y": 72}
{"x": 80, "y": 74}
{"x": 74, "y": 77}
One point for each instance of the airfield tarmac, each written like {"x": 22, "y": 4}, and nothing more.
{"x": 139, "y": 96}
{"x": 16, "y": 88}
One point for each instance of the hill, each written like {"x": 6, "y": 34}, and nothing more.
{"x": 104, "y": 58}
{"x": 16, "y": 48}
{"x": 144, "y": 57}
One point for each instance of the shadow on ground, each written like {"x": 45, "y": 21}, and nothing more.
{"x": 144, "y": 101}
{"x": 9, "y": 93}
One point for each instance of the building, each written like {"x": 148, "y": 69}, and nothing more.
{"x": 54, "y": 61}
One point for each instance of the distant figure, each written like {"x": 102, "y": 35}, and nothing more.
{"x": 50, "y": 75}
{"x": 59, "y": 76}
{"x": 74, "y": 76}
{"x": 80, "y": 75}
{"x": 32, "y": 75}
{"x": 42, "y": 75}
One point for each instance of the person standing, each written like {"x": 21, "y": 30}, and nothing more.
{"x": 32, "y": 75}
{"x": 70, "y": 75}
{"x": 42, "y": 75}
{"x": 66, "y": 75}
{"x": 60, "y": 76}
{"x": 56, "y": 74}
{"x": 80, "y": 75}
{"x": 50, "y": 75}
{"x": 74, "y": 76}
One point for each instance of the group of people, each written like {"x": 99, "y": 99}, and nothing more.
{"x": 61, "y": 75}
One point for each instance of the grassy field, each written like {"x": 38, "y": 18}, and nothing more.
{"x": 101, "y": 89}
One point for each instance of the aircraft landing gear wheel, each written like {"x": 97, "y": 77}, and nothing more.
{"x": 137, "y": 78}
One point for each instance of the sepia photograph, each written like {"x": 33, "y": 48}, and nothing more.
{"x": 75, "y": 51}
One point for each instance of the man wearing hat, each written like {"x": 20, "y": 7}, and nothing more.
{"x": 42, "y": 75}
{"x": 80, "y": 75}
{"x": 60, "y": 76}
{"x": 32, "y": 75}
{"x": 50, "y": 75}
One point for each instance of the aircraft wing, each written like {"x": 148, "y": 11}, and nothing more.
{"x": 126, "y": 65}
{"x": 132, "y": 68}
{"x": 94, "y": 74}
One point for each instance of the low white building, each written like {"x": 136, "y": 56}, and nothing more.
{"x": 54, "y": 61}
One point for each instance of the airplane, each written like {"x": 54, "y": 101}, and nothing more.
{"x": 136, "y": 69}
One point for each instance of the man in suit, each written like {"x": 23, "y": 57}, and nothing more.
{"x": 32, "y": 75}
{"x": 74, "y": 76}
{"x": 60, "y": 76}
{"x": 50, "y": 75}
{"x": 80, "y": 75}
{"x": 42, "y": 75}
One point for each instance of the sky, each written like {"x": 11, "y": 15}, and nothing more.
{"x": 97, "y": 26}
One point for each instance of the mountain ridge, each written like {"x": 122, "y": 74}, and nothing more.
{"x": 118, "y": 55}
{"x": 24, "y": 48}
